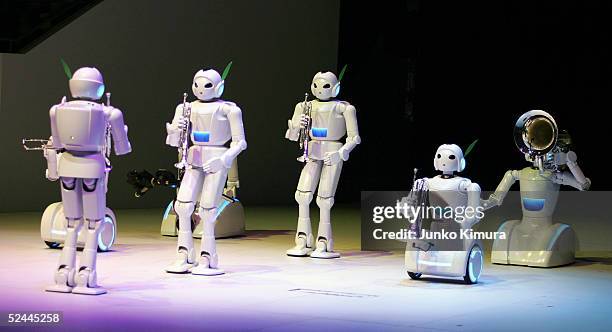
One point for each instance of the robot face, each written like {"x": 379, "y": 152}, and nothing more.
{"x": 207, "y": 85}
{"x": 87, "y": 82}
{"x": 449, "y": 159}
{"x": 325, "y": 86}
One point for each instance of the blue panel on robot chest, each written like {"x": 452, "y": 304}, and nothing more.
{"x": 533, "y": 204}
{"x": 319, "y": 132}
{"x": 201, "y": 136}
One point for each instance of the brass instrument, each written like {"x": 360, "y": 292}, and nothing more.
{"x": 184, "y": 138}
{"x": 536, "y": 134}
{"x": 304, "y": 137}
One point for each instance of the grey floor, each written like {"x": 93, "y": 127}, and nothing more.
{"x": 264, "y": 290}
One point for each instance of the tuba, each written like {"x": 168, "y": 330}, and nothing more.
{"x": 536, "y": 134}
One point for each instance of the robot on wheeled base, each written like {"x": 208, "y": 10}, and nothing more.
{"x": 458, "y": 257}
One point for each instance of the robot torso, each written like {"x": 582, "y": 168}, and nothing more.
{"x": 448, "y": 192}
{"x": 210, "y": 125}
{"x": 328, "y": 123}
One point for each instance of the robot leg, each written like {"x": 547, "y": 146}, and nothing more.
{"x": 325, "y": 200}
{"x": 94, "y": 206}
{"x": 303, "y": 196}
{"x": 184, "y": 207}
{"x": 73, "y": 210}
{"x": 209, "y": 202}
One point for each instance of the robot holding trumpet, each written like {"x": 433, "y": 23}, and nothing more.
{"x": 200, "y": 130}
{"x": 536, "y": 240}
{"x": 318, "y": 126}
{"x": 77, "y": 155}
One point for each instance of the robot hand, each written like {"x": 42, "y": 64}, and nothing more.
{"x": 216, "y": 164}
{"x": 230, "y": 188}
{"x": 492, "y": 201}
{"x": 182, "y": 123}
{"x": 51, "y": 176}
{"x": 332, "y": 158}
{"x": 304, "y": 121}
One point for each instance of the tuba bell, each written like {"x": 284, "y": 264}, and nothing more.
{"x": 535, "y": 135}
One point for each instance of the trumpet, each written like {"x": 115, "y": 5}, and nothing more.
{"x": 304, "y": 137}
{"x": 37, "y": 144}
{"x": 184, "y": 138}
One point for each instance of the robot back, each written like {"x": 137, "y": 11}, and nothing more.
{"x": 81, "y": 126}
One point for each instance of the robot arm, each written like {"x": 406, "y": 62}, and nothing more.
{"x": 293, "y": 132}
{"x": 173, "y": 129}
{"x": 352, "y": 131}
{"x": 473, "y": 193}
{"x": 574, "y": 177}
{"x": 233, "y": 181}
{"x": 119, "y": 132}
{"x": 501, "y": 191}
{"x": 239, "y": 143}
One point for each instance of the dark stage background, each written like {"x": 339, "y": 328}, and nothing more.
{"x": 148, "y": 52}
{"x": 421, "y": 73}
{"x": 424, "y": 73}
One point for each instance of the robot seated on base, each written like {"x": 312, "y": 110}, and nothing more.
{"x": 536, "y": 240}
{"x": 426, "y": 253}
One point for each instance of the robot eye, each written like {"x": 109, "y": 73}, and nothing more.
{"x": 315, "y": 85}
{"x": 327, "y": 86}
{"x": 208, "y": 85}
{"x": 195, "y": 84}
{"x": 451, "y": 157}
{"x": 439, "y": 156}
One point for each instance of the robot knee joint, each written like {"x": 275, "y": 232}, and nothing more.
{"x": 89, "y": 185}
{"x": 325, "y": 202}
{"x": 303, "y": 197}
{"x": 184, "y": 208}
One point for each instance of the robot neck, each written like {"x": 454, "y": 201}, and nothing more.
{"x": 447, "y": 175}
{"x": 209, "y": 100}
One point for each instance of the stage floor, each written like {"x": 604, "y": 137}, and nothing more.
{"x": 264, "y": 290}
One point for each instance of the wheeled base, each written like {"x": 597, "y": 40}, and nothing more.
{"x": 230, "y": 220}
{"x": 531, "y": 244}
{"x": 466, "y": 264}
{"x": 53, "y": 228}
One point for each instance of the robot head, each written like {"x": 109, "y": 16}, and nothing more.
{"x": 449, "y": 159}
{"x": 87, "y": 83}
{"x": 207, "y": 85}
{"x": 325, "y": 86}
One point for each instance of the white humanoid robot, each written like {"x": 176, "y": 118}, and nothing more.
{"x": 80, "y": 131}
{"x": 208, "y": 123}
{"x": 319, "y": 125}
{"x": 536, "y": 240}
{"x": 460, "y": 257}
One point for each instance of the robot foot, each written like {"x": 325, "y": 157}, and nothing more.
{"x": 87, "y": 283}
{"x": 181, "y": 265}
{"x": 301, "y": 248}
{"x": 84, "y": 290}
{"x": 321, "y": 252}
{"x": 59, "y": 288}
{"x": 206, "y": 267}
{"x": 64, "y": 278}
{"x": 299, "y": 251}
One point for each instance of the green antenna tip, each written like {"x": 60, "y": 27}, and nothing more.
{"x": 342, "y": 72}
{"x": 227, "y": 70}
{"x": 470, "y": 148}
{"x": 66, "y": 69}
